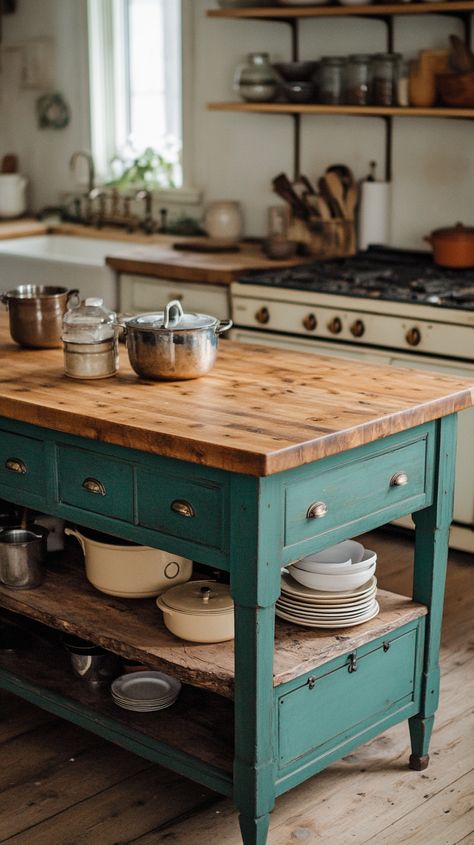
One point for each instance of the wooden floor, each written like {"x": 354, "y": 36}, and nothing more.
{"x": 60, "y": 785}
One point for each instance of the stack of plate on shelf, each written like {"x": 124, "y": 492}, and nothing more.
{"x": 146, "y": 691}
{"x": 332, "y": 589}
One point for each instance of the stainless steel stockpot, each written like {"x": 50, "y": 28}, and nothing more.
{"x": 36, "y": 314}
{"x": 23, "y": 557}
{"x": 172, "y": 344}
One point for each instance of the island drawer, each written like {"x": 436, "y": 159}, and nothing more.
{"x": 341, "y": 698}
{"x": 391, "y": 481}
{"x": 176, "y": 506}
{"x": 95, "y": 483}
{"x": 22, "y": 463}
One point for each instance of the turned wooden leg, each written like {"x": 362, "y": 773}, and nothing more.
{"x": 431, "y": 555}
{"x": 420, "y": 735}
{"x": 254, "y": 831}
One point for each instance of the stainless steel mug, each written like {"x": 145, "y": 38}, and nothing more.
{"x": 22, "y": 557}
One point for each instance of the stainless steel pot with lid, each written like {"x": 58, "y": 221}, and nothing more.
{"x": 173, "y": 345}
{"x": 36, "y": 314}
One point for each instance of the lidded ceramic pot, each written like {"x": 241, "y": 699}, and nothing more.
{"x": 257, "y": 81}
{"x": 223, "y": 221}
{"x": 90, "y": 340}
{"x": 199, "y": 611}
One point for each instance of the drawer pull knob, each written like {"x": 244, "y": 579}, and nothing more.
{"x": 312, "y": 682}
{"x": 182, "y": 508}
{"x": 16, "y": 465}
{"x": 352, "y": 663}
{"x": 317, "y": 510}
{"x": 386, "y": 646}
{"x": 94, "y": 486}
{"x": 399, "y": 479}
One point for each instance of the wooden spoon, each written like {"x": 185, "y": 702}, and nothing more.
{"x": 331, "y": 189}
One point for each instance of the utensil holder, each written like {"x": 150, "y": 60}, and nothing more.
{"x": 335, "y": 238}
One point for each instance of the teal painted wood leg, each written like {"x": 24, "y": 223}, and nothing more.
{"x": 255, "y": 586}
{"x": 431, "y": 555}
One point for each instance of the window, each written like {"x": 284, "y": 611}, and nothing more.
{"x": 135, "y": 71}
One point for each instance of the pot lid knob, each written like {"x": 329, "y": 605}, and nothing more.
{"x": 205, "y": 594}
{"x": 173, "y": 314}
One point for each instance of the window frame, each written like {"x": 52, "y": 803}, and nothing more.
{"x": 104, "y": 30}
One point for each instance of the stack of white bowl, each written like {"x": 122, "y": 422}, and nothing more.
{"x": 331, "y": 589}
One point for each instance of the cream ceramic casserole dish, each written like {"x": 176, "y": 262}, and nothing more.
{"x": 201, "y": 611}
{"x": 123, "y": 569}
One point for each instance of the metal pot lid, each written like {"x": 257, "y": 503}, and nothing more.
{"x": 457, "y": 231}
{"x": 172, "y": 318}
{"x": 196, "y": 597}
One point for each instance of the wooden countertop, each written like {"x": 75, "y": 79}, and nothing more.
{"x": 155, "y": 255}
{"x": 260, "y": 411}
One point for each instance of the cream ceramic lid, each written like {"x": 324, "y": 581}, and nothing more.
{"x": 199, "y": 597}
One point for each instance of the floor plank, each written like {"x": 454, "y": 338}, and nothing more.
{"x": 108, "y": 796}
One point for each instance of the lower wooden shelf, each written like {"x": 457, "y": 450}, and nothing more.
{"x": 193, "y": 737}
{"x": 134, "y": 629}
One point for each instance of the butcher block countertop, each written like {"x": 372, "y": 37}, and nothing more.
{"x": 259, "y": 411}
{"x": 156, "y": 255}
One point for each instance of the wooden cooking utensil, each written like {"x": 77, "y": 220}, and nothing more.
{"x": 9, "y": 163}
{"x": 345, "y": 175}
{"x": 462, "y": 59}
{"x": 331, "y": 189}
{"x": 283, "y": 187}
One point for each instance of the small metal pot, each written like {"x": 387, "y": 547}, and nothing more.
{"x": 90, "y": 662}
{"x": 36, "y": 314}
{"x": 22, "y": 557}
{"x": 173, "y": 345}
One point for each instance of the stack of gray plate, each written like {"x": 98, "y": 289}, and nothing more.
{"x": 146, "y": 691}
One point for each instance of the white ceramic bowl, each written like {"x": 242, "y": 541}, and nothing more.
{"x": 367, "y": 561}
{"x": 345, "y": 554}
{"x": 332, "y": 583}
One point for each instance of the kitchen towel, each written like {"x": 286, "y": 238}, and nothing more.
{"x": 374, "y": 213}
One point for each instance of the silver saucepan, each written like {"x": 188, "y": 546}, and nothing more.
{"x": 36, "y": 314}
{"x": 172, "y": 344}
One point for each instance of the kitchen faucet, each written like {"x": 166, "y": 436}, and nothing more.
{"x": 148, "y": 224}
{"x": 90, "y": 166}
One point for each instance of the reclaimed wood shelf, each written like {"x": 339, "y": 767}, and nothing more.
{"x": 199, "y": 724}
{"x": 376, "y": 10}
{"x": 134, "y": 629}
{"x": 362, "y": 111}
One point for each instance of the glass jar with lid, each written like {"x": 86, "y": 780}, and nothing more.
{"x": 386, "y": 69}
{"x": 332, "y": 80}
{"x": 90, "y": 340}
{"x": 359, "y": 79}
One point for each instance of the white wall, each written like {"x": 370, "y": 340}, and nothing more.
{"x": 236, "y": 155}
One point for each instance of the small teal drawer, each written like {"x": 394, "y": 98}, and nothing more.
{"x": 95, "y": 483}
{"x": 340, "y": 700}
{"x": 392, "y": 481}
{"x": 22, "y": 463}
{"x": 178, "y": 507}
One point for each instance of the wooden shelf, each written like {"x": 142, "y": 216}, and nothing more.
{"x": 376, "y": 10}
{"x": 363, "y": 111}
{"x": 199, "y": 724}
{"x": 134, "y": 629}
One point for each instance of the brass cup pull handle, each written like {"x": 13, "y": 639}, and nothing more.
{"x": 317, "y": 510}
{"x": 92, "y": 485}
{"x": 16, "y": 465}
{"x": 399, "y": 479}
{"x": 183, "y": 508}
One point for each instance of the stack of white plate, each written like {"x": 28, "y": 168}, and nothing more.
{"x": 332, "y": 589}
{"x": 145, "y": 691}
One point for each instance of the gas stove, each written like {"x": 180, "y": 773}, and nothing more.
{"x": 379, "y": 273}
{"x": 395, "y": 307}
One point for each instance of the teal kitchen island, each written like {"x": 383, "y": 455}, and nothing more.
{"x": 272, "y": 456}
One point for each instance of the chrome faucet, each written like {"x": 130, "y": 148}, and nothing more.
{"x": 90, "y": 166}
{"x": 148, "y": 224}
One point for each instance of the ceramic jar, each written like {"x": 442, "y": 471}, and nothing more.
{"x": 12, "y": 195}
{"x": 223, "y": 220}
{"x": 257, "y": 81}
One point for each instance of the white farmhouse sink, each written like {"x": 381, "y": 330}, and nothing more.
{"x": 63, "y": 260}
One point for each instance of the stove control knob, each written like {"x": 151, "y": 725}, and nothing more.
{"x": 413, "y": 336}
{"x": 335, "y": 325}
{"x": 310, "y": 322}
{"x": 263, "y": 315}
{"x": 358, "y": 328}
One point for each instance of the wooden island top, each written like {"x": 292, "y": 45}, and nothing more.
{"x": 260, "y": 411}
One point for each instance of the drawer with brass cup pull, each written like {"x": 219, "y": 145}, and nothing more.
{"x": 95, "y": 483}
{"x": 22, "y": 463}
